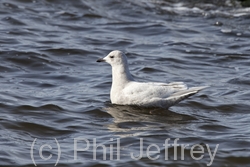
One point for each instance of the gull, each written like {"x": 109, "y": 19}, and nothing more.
{"x": 126, "y": 91}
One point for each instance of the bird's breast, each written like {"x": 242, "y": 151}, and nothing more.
{"x": 116, "y": 96}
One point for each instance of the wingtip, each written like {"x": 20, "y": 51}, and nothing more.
{"x": 201, "y": 87}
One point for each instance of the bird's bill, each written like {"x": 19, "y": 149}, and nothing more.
{"x": 100, "y": 60}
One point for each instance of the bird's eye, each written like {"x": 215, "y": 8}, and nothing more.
{"x": 111, "y": 57}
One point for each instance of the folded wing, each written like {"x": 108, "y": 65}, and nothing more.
{"x": 158, "y": 94}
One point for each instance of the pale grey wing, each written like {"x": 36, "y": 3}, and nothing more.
{"x": 158, "y": 94}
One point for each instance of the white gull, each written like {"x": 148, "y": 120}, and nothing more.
{"x": 126, "y": 91}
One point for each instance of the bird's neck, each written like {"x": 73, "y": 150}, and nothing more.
{"x": 121, "y": 76}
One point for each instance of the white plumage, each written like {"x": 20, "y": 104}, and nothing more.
{"x": 126, "y": 91}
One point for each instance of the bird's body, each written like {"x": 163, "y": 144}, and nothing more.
{"x": 126, "y": 91}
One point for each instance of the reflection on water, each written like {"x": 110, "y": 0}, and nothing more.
{"x": 132, "y": 118}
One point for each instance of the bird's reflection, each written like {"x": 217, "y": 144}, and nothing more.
{"x": 131, "y": 118}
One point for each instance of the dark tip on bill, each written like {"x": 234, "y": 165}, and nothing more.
{"x": 100, "y": 60}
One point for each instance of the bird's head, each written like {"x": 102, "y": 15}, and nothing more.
{"x": 114, "y": 58}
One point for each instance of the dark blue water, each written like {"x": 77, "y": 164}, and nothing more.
{"x": 53, "y": 92}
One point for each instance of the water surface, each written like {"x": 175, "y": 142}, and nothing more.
{"x": 52, "y": 87}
